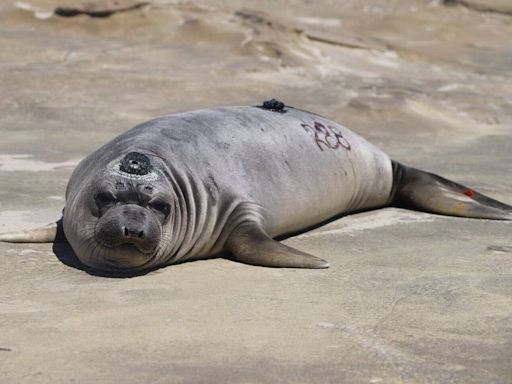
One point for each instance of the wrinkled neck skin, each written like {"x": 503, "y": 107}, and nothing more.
{"x": 203, "y": 218}
{"x": 198, "y": 225}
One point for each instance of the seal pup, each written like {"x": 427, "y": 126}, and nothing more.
{"x": 199, "y": 184}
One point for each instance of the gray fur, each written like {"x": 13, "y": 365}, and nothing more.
{"x": 228, "y": 166}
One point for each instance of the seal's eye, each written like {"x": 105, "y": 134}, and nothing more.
{"x": 160, "y": 207}
{"x": 104, "y": 199}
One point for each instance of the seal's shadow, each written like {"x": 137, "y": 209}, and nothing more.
{"x": 67, "y": 256}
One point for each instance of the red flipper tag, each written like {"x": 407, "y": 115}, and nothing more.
{"x": 468, "y": 192}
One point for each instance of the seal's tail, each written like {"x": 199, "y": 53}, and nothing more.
{"x": 423, "y": 191}
{"x": 49, "y": 234}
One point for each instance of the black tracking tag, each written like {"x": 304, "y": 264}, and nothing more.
{"x": 273, "y": 105}
{"x": 135, "y": 163}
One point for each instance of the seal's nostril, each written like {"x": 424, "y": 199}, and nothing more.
{"x": 132, "y": 233}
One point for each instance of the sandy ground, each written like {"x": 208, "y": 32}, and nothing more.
{"x": 409, "y": 297}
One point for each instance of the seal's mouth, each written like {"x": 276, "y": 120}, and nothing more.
{"x": 127, "y": 236}
{"x": 122, "y": 258}
{"x": 128, "y": 247}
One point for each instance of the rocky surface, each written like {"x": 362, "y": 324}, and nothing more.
{"x": 409, "y": 297}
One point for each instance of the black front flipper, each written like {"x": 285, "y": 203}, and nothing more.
{"x": 249, "y": 244}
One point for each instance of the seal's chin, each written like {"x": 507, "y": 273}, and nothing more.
{"x": 122, "y": 258}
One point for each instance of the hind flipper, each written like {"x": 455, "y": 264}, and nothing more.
{"x": 423, "y": 191}
{"x": 249, "y": 244}
{"x": 52, "y": 233}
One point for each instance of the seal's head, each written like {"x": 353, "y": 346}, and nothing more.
{"x": 117, "y": 220}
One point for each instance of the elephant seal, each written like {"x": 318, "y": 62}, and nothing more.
{"x": 197, "y": 184}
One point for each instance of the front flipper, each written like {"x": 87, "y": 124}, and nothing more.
{"x": 249, "y": 244}
{"x": 52, "y": 233}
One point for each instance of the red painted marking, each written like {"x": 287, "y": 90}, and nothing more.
{"x": 468, "y": 192}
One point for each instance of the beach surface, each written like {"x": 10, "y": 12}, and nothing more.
{"x": 409, "y": 298}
